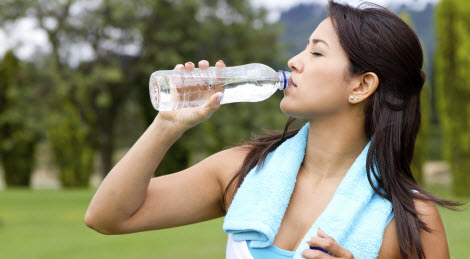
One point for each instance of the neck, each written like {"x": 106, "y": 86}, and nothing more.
{"x": 332, "y": 147}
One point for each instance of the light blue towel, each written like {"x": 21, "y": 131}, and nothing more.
{"x": 356, "y": 216}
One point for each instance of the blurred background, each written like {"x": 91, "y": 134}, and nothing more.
{"x": 74, "y": 98}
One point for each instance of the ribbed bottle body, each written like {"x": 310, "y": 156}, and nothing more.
{"x": 177, "y": 89}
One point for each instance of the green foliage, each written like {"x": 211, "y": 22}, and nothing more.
{"x": 72, "y": 152}
{"x": 422, "y": 140}
{"x": 421, "y": 153}
{"x": 18, "y": 164}
{"x": 67, "y": 130}
{"x": 96, "y": 88}
{"x": 452, "y": 66}
{"x": 181, "y": 31}
{"x": 92, "y": 94}
{"x": 20, "y": 125}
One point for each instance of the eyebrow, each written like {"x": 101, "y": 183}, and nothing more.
{"x": 314, "y": 41}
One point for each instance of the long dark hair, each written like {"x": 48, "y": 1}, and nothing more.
{"x": 376, "y": 40}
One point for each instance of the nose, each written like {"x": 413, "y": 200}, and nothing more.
{"x": 295, "y": 64}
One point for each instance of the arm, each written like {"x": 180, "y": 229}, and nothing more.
{"x": 124, "y": 189}
{"x": 190, "y": 196}
{"x": 434, "y": 243}
{"x": 129, "y": 200}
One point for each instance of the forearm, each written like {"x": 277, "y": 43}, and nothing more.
{"x": 123, "y": 190}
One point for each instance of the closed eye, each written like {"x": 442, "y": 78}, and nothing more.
{"x": 316, "y": 54}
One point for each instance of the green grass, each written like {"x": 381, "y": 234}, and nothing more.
{"x": 456, "y": 223}
{"x": 49, "y": 224}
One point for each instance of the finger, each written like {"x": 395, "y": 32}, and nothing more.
{"x": 328, "y": 243}
{"x": 176, "y": 84}
{"x": 220, "y": 63}
{"x": 191, "y": 83}
{"x": 203, "y": 64}
{"x": 321, "y": 233}
{"x": 214, "y": 100}
{"x": 203, "y": 90}
{"x": 310, "y": 254}
{"x": 176, "y": 80}
{"x": 201, "y": 76}
{"x": 219, "y": 74}
{"x": 189, "y": 66}
{"x": 179, "y": 67}
{"x": 321, "y": 244}
{"x": 209, "y": 107}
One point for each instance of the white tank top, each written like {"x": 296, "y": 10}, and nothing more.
{"x": 237, "y": 249}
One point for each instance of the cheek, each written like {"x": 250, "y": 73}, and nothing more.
{"x": 311, "y": 103}
{"x": 322, "y": 92}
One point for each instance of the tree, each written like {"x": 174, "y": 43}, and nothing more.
{"x": 179, "y": 31}
{"x": 65, "y": 139}
{"x": 452, "y": 67}
{"x": 20, "y": 120}
{"x": 422, "y": 140}
{"x": 96, "y": 89}
{"x": 128, "y": 41}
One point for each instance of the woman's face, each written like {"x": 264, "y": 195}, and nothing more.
{"x": 320, "y": 73}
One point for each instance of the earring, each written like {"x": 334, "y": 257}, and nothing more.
{"x": 357, "y": 97}
{"x": 351, "y": 97}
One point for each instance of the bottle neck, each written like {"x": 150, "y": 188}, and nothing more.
{"x": 284, "y": 79}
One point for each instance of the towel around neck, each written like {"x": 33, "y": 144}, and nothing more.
{"x": 356, "y": 216}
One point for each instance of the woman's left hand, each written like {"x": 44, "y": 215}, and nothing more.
{"x": 328, "y": 243}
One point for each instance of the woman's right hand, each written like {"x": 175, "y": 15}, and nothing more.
{"x": 187, "y": 118}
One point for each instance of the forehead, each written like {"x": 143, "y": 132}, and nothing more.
{"x": 325, "y": 31}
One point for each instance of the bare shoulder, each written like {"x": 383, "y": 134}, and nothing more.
{"x": 427, "y": 211}
{"x": 434, "y": 242}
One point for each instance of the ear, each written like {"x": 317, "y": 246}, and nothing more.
{"x": 365, "y": 86}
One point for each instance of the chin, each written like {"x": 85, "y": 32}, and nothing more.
{"x": 295, "y": 110}
{"x": 283, "y": 106}
{"x": 289, "y": 110}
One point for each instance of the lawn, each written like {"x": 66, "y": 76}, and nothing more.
{"x": 49, "y": 224}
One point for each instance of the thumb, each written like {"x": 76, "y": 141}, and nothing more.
{"x": 213, "y": 101}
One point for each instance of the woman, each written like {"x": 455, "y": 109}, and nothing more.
{"x": 357, "y": 81}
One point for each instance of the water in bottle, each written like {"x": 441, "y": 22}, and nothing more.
{"x": 177, "y": 89}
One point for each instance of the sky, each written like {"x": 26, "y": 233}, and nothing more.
{"x": 283, "y": 4}
{"x": 277, "y": 6}
{"x": 28, "y": 39}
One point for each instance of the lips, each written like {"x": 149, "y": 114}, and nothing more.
{"x": 293, "y": 83}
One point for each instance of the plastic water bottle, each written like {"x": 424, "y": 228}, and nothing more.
{"x": 177, "y": 89}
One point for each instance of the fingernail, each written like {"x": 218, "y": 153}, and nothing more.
{"x": 220, "y": 61}
{"x": 307, "y": 239}
{"x": 179, "y": 66}
{"x": 189, "y": 63}
{"x": 220, "y": 98}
